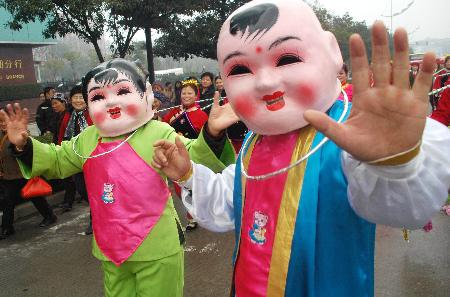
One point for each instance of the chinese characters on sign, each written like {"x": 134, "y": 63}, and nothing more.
{"x": 11, "y": 65}
{"x": 16, "y": 65}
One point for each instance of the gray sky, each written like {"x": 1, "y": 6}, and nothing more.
{"x": 424, "y": 19}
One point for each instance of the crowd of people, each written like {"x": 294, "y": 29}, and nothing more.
{"x": 304, "y": 180}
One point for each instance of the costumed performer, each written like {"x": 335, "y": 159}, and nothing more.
{"x": 137, "y": 234}
{"x": 309, "y": 229}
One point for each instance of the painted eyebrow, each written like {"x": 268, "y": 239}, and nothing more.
{"x": 281, "y": 40}
{"x": 115, "y": 83}
{"x": 232, "y": 55}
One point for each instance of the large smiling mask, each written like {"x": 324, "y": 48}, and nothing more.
{"x": 118, "y": 96}
{"x": 276, "y": 61}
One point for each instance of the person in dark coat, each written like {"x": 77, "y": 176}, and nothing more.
{"x": 44, "y": 112}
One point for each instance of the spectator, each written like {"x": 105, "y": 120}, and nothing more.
{"x": 44, "y": 112}
{"x": 169, "y": 92}
{"x": 177, "y": 93}
{"x": 158, "y": 93}
{"x": 12, "y": 182}
{"x": 41, "y": 96}
{"x": 206, "y": 91}
{"x": 187, "y": 120}
{"x": 348, "y": 88}
{"x": 439, "y": 80}
{"x": 442, "y": 112}
{"x": 412, "y": 74}
{"x": 219, "y": 86}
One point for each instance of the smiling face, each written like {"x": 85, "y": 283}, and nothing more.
{"x": 274, "y": 71}
{"x": 188, "y": 96}
{"x": 116, "y": 106}
{"x": 78, "y": 102}
{"x": 219, "y": 84}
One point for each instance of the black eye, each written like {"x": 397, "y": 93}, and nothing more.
{"x": 288, "y": 59}
{"x": 239, "y": 69}
{"x": 97, "y": 97}
{"x": 123, "y": 91}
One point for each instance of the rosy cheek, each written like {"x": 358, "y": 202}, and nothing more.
{"x": 244, "y": 107}
{"x": 132, "y": 110}
{"x": 99, "y": 117}
{"x": 306, "y": 95}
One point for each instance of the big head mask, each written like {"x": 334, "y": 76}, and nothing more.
{"x": 276, "y": 61}
{"x": 118, "y": 97}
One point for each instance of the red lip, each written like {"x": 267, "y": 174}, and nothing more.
{"x": 114, "y": 112}
{"x": 274, "y": 96}
{"x": 275, "y": 101}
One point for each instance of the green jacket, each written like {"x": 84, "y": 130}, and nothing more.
{"x": 52, "y": 161}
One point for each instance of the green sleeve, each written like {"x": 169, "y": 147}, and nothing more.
{"x": 200, "y": 152}
{"x": 53, "y": 161}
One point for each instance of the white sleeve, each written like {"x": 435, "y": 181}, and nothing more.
{"x": 208, "y": 197}
{"x": 406, "y": 195}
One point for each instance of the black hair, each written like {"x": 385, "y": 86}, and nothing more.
{"x": 47, "y": 89}
{"x": 446, "y": 59}
{"x": 217, "y": 77}
{"x": 209, "y": 74}
{"x": 167, "y": 83}
{"x": 259, "y": 19}
{"x": 345, "y": 68}
{"x": 77, "y": 89}
{"x": 108, "y": 72}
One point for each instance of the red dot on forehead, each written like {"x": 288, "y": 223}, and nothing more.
{"x": 258, "y": 49}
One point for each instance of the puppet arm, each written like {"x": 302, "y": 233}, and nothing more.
{"x": 405, "y": 195}
{"x": 209, "y": 197}
{"x": 49, "y": 160}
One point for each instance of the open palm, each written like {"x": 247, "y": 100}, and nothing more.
{"x": 16, "y": 120}
{"x": 220, "y": 117}
{"x": 388, "y": 118}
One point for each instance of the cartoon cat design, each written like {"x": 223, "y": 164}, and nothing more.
{"x": 108, "y": 196}
{"x": 257, "y": 233}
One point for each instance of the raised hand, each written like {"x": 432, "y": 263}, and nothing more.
{"x": 388, "y": 118}
{"x": 171, "y": 158}
{"x": 16, "y": 120}
{"x": 220, "y": 117}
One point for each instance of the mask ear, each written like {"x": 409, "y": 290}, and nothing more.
{"x": 335, "y": 52}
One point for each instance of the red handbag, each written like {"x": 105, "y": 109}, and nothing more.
{"x": 35, "y": 187}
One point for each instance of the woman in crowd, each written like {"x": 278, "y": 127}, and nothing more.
{"x": 348, "y": 88}
{"x": 169, "y": 92}
{"x": 187, "y": 120}
{"x": 12, "y": 182}
{"x": 178, "y": 93}
{"x": 158, "y": 93}
{"x": 206, "y": 91}
{"x": 219, "y": 86}
{"x": 74, "y": 120}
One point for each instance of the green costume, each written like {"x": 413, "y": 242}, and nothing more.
{"x": 163, "y": 242}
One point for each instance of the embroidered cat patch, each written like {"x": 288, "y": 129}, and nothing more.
{"x": 108, "y": 195}
{"x": 258, "y": 233}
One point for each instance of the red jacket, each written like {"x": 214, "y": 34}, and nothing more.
{"x": 442, "y": 112}
{"x": 65, "y": 122}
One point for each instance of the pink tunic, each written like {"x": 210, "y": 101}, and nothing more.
{"x": 127, "y": 198}
{"x": 261, "y": 205}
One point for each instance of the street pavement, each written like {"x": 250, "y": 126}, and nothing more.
{"x": 57, "y": 262}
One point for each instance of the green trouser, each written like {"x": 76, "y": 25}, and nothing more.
{"x": 163, "y": 277}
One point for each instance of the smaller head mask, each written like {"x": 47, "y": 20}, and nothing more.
{"x": 118, "y": 97}
{"x": 276, "y": 62}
